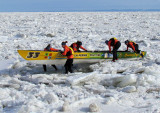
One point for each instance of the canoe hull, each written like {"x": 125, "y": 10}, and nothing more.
{"x": 48, "y": 57}
{"x": 62, "y": 61}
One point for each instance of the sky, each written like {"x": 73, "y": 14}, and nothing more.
{"x": 75, "y": 5}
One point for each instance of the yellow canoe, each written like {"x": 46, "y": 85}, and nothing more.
{"x": 50, "y": 57}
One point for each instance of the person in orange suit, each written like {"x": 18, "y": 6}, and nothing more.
{"x": 77, "y": 45}
{"x": 115, "y": 43}
{"x": 68, "y": 51}
{"x": 49, "y": 48}
{"x": 133, "y": 46}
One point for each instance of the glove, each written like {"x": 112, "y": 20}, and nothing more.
{"x": 109, "y": 51}
{"x": 126, "y": 50}
{"x": 86, "y": 50}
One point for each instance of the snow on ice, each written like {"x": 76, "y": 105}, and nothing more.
{"x": 105, "y": 87}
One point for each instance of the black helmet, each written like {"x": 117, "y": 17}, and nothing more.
{"x": 126, "y": 42}
{"x": 106, "y": 42}
{"x": 48, "y": 47}
{"x": 79, "y": 43}
{"x": 63, "y": 43}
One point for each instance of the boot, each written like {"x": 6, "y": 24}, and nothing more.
{"x": 44, "y": 68}
{"x": 55, "y": 67}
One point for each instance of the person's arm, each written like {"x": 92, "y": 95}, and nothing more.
{"x": 52, "y": 49}
{"x": 83, "y": 48}
{"x": 109, "y": 46}
{"x": 74, "y": 47}
{"x": 127, "y": 47}
{"x": 132, "y": 47}
{"x": 65, "y": 51}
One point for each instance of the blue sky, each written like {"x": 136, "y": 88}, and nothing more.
{"x": 74, "y": 5}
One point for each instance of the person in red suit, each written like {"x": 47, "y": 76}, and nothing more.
{"x": 77, "y": 45}
{"x": 133, "y": 46}
{"x": 115, "y": 43}
{"x": 68, "y": 51}
{"x": 49, "y": 48}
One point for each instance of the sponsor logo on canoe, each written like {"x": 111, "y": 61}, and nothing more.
{"x": 80, "y": 55}
{"x": 106, "y": 55}
{"x": 48, "y": 55}
{"x": 60, "y": 55}
{"x": 95, "y": 55}
{"x": 131, "y": 55}
{"x": 110, "y": 55}
{"x": 120, "y": 55}
{"x": 33, "y": 54}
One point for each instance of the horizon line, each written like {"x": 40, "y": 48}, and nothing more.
{"x": 99, "y": 10}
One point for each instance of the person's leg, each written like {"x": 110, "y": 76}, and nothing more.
{"x": 66, "y": 70}
{"x": 118, "y": 44}
{"x": 114, "y": 54}
{"x": 54, "y": 67}
{"x": 66, "y": 66}
{"x": 70, "y": 65}
{"x": 137, "y": 48}
{"x": 44, "y": 67}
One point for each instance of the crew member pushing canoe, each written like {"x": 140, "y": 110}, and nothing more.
{"x": 115, "y": 43}
{"x": 75, "y": 46}
{"x": 68, "y": 51}
{"x": 49, "y": 48}
{"x": 133, "y": 46}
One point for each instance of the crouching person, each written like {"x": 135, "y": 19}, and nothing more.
{"x": 49, "y": 48}
{"x": 133, "y": 46}
{"x": 115, "y": 43}
{"x": 77, "y": 45}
